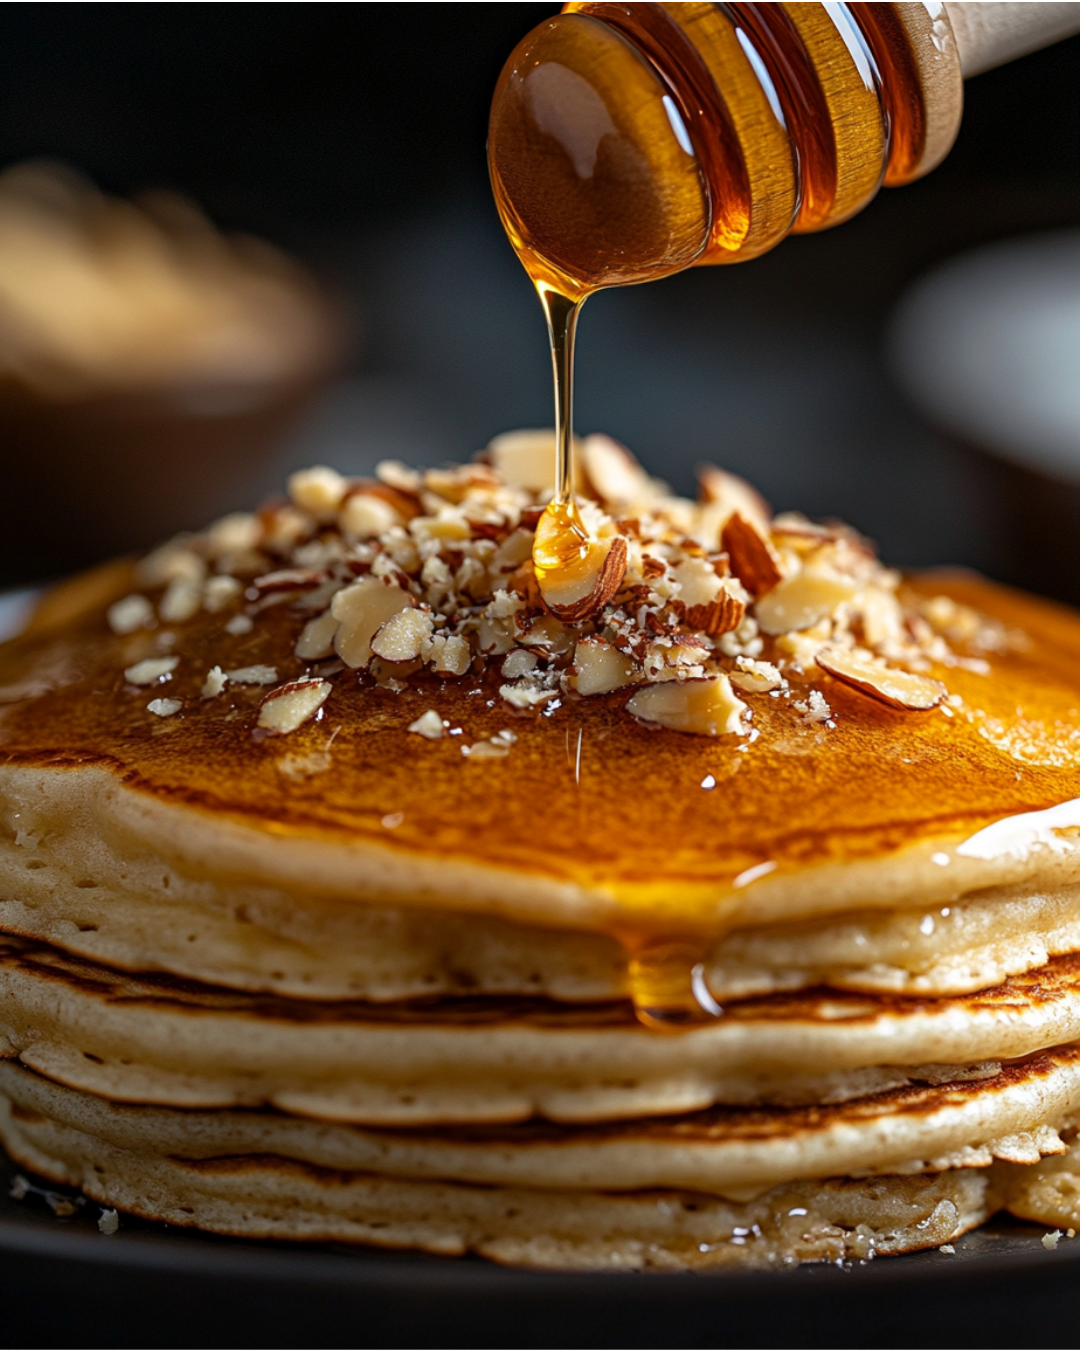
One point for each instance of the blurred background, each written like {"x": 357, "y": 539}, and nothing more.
{"x": 352, "y": 136}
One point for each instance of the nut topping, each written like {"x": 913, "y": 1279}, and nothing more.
{"x": 753, "y": 559}
{"x": 803, "y": 600}
{"x": 405, "y": 636}
{"x": 702, "y": 707}
{"x": 896, "y": 688}
{"x": 472, "y": 573}
{"x": 153, "y": 670}
{"x": 599, "y": 668}
{"x": 577, "y": 593}
{"x": 361, "y": 610}
{"x": 285, "y": 709}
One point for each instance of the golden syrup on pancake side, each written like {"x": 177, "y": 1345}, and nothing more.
{"x": 666, "y": 981}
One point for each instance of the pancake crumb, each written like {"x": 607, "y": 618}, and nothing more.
{"x": 948, "y": 1248}
{"x": 1051, "y": 1240}
{"x": 109, "y": 1222}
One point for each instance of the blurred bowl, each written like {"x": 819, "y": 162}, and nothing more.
{"x": 987, "y": 347}
{"x": 148, "y": 364}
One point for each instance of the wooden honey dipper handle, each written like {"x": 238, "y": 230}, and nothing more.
{"x": 989, "y": 35}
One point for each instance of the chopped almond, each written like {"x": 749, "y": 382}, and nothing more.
{"x": 711, "y": 604}
{"x": 706, "y": 707}
{"x": 151, "y": 671}
{"x": 585, "y": 573}
{"x": 599, "y": 668}
{"x": 316, "y": 639}
{"x": 253, "y": 675}
{"x": 405, "y": 636}
{"x": 134, "y": 611}
{"x": 286, "y": 708}
{"x": 896, "y": 688}
{"x": 612, "y": 473}
{"x": 429, "y": 725}
{"x": 717, "y": 487}
{"x": 721, "y": 495}
{"x": 753, "y": 559}
{"x": 803, "y": 600}
{"x": 449, "y": 655}
{"x": 365, "y": 516}
{"x": 525, "y": 459}
{"x": 361, "y": 610}
{"x": 182, "y": 600}
{"x": 215, "y": 682}
{"x": 318, "y": 491}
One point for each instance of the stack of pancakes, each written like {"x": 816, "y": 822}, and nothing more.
{"x": 447, "y": 948}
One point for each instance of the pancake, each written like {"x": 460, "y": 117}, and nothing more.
{"x": 95, "y": 894}
{"x": 556, "y": 1196}
{"x": 355, "y": 887}
{"x": 480, "y": 1060}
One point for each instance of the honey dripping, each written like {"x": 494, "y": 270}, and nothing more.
{"x": 667, "y": 983}
{"x": 631, "y": 141}
{"x": 628, "y": 142}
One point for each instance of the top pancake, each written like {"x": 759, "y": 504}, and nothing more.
{"x": 593, "y": 820}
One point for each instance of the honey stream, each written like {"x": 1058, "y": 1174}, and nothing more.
{"x": 665, "y": 978}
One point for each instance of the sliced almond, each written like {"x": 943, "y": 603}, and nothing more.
{"x": 701, "y": 707}
{"x": 364, "y": 515}
{"x": 717, "y": 487}
{"x": 318, "y": 490}
{"x": 289, "y": 579}
{"x": 182, "y": 600}
{"x": 405, "y": 636}
{"x": 525, "y": 459}
{"x": 896, "y": 688}
{"x": 316, "y": 639}
{"x": 577, "y": 590}
{"x": 519, "y": 663}
{"x": 429, "y": 725}
{"x": 151, "y": 671}
{"x": 802, "y": 601}
{"x": 253, "y": 675}
{"x": 711, "y": 604}
{"x": 753, "y": 559}
{"x": 286, "y": 708}
{"x": 599, "y": 668}
{"x": 612, "y": 474}
{"x": 361, "y": 610}
{"x": 449, "y": 655}
{"x": 722, "y": 495}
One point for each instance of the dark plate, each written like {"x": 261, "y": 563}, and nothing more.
{"x": 66, "y": 1284}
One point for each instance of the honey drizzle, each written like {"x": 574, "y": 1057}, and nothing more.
{"x": 666, "y": 979}
{"x": 561, "y": 542}
{"x": 561, "y": 313}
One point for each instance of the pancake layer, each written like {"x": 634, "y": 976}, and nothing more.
{"x": 181, "y": 1044}
{"x": 264, "y": 1175}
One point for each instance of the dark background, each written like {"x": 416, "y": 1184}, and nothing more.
{"x": 354, "y": 136}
